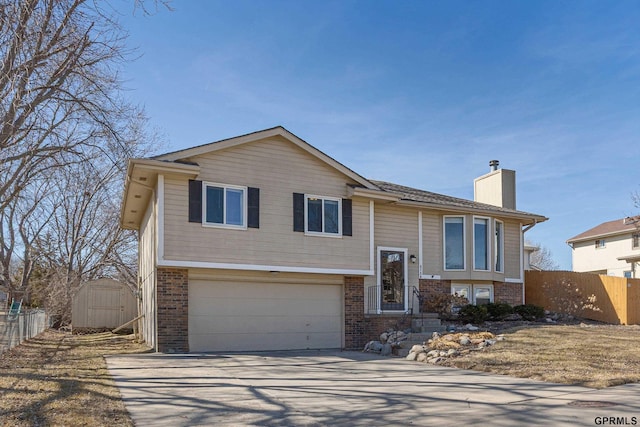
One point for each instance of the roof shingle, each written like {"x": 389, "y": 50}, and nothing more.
{"x": 618, "y": 226}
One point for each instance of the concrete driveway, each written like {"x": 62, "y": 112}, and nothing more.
{"x": 323, "y": 388}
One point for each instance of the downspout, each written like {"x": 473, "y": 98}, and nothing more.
{"x": 524, "y": 230}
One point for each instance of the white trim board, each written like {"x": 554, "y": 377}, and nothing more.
{"x": 257, "y": 267}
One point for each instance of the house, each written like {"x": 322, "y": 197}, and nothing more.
{"x": 529, "y": 250}
{"x": 611, "y": 248}
{"x": 263, "y": 242}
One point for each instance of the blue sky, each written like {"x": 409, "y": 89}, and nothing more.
{"x": 420, "y": 93}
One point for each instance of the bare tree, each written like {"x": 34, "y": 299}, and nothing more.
{"x": 542, "y": 258}
{"x": 65, "y": 134}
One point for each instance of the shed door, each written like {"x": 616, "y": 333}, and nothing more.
{"x": 106, "y": 306}
{"x": 248, "y": 316}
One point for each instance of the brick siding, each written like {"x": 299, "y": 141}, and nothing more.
{"x": 432, "y": 286}
{"x": 354, "y": 324}
{"x": 511, "y": 293}
{"x": 173, "y": 310}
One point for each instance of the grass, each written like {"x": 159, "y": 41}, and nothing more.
{"x": 62, "y": 379}
{"x": 596, "y": 356}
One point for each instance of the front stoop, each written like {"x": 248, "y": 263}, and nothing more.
{"x": 423, "y": 328}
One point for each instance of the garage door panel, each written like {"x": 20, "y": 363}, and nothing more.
{"x": 235, "y": 316}
{"x": 291, "y": 306}
{"x": 274, "y": 341}
{"x": 262, "y": 324}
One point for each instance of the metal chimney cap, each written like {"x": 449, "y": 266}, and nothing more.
{"x": 494, "y": 164}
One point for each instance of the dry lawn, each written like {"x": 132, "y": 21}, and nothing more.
{"x": 59, "y": 379}
{"x": 595, "y": 356}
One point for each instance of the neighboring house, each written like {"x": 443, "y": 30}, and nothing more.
{"x": 611, "y": 248}
{"x": 528, "y": 252}
{"x": 263, "y": 242}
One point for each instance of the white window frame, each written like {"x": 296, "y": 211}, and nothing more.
{"x": 499, "y": 247}
{"x": 464, "y": 242}
{"x": 406, "y": 278}
{"x": 306, "y": 216}
{"x": 224, "y": 224}
{"x": 487, "y": 243}
{"x": 471, "y": 290}
{"x": 489, "y": 287}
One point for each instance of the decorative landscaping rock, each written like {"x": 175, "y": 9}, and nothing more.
{"x": 386, "y": 350}
{"x": 373, "y": 346}
{"x": 452, "y": 345}
{"x": 418, "y": 349}
{"x": 465, "y": 340}
{"x": 422, "y": 357}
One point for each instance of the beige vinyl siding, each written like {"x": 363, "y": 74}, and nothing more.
{"x": 395, "y": 227}
{"x": 278, "y": 168}
{"x": 432, "y": 243}
{"x": 512, "y": 256}
{"x": 147, "y": 260}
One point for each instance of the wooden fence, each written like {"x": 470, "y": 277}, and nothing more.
{"x": 591, "y": 296}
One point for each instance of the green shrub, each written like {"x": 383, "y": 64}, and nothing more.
{"x": 498, "y": 311}
{"x": 529, "y": 311}
{"x": 473, "y": 313}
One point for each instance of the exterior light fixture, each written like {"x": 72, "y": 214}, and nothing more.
{"x": 413, "y": 259}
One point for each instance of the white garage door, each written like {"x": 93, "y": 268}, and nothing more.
{"x": 242, "y": 316}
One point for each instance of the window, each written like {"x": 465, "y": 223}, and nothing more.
{"x": 475, "y": 294}
{"x": 454, "y": 253}
{"x": 482, "y": 294}
{"x": 461, "y": 291}
{"x": 323, "y": 215}
{"x": 600, "y": 244}
{"x": 499, "y": 244}
{"x": 224, "y": 205}
{"x": 481, "y": 244}
{"x": 635, "y": 241}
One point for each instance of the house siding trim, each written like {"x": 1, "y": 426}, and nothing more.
{"x": 258, "y": 267}
{"x": 160, "y": 219}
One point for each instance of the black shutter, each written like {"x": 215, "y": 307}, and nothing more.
{"x": 195, "y": 201}
{"x": 253, "y": 208}
{"x": 347, "y": 222}
{"x": 298, "y": 212}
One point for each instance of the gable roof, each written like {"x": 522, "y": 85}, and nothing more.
{"x": 141, "y": 174}
{"x": 610, "y": 228}
{"x": 435, "y": 200}
{"x": 179, "y": 155}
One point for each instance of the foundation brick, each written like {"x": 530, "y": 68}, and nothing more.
{"x": 173, "y": 310}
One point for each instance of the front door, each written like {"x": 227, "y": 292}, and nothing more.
{"x": 392, "y": 278}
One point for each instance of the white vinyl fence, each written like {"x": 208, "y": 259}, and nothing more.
{"x": 21, "y": 327}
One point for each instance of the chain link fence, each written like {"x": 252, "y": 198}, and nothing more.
{"x": 14, "y": 329}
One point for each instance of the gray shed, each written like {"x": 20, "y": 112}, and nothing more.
{"x": 103, "y": 303}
